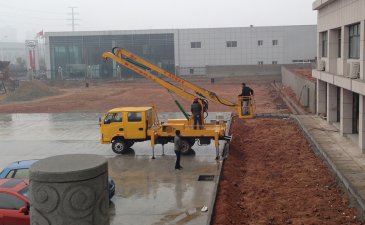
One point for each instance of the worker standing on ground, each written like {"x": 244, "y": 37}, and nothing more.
{"x": 246, "y": 93}
{"x": 196, "y": 110}
{"x": 177, "y": 149}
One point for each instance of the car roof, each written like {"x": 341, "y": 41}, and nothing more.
{"x": 21, "y": 164}
{"x": 13, "y": 185}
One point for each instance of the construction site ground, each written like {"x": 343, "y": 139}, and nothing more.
{"x": 271, "y": 175}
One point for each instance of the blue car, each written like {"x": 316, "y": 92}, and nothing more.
{"x": 20, "y": 170}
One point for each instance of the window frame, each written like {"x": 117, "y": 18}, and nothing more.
{"x": 354, "y": 41}
{"x": 231, "y": 44}
{"x": 136, "y": 120}
{"x": 275, "y": 42}
{"x": 324, "y": 44}
{"x": 339, "y": 45}
{"x": 196, "y": 44}
{"x": 260, "y": 42}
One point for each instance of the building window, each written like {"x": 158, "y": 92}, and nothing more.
{"x": 339, "y": 44}
{"x": 274, "y": 62}
{"x": 275, "y": 42}
{"x": 354, "y": 41}
{"x": 231, "y": 44}
{"x": 191, "y": 71}
{"x": 261, "y": 62}
{"x": 260, "y": 42}
{"x": 196, "y": 44}
{"x": 324, "y": 44}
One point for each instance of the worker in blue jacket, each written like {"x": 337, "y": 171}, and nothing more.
{"x": 247, "y": 92}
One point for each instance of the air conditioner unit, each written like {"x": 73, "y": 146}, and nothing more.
{"x": 354, "y": 72}
{"x": 322, "y": 65}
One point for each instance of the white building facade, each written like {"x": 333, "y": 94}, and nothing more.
{"x": 340, "y": 74}
{"x": 185, "y": 51}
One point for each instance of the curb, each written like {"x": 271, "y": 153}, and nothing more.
{"x": 332, "y": 166}
{"x": 224, "y": 156}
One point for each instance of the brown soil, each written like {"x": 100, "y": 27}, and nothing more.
{"x": 102, "y": 97}
{"x": 273, "y": 177}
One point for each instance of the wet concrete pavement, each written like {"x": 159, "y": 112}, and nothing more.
{"x": 147, "y": 191}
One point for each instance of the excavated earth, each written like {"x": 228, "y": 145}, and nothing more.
{"x": 272, "y": 176}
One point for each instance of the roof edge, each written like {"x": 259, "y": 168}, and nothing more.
{"x": 319, "y": 4}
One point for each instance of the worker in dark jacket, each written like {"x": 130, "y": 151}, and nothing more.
{"x": 177, "y": 149}
{"x": 246, "y": 93}
{"x": 196, "y": 110}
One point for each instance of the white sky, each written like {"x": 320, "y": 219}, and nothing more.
{"x": 31, "y": 16}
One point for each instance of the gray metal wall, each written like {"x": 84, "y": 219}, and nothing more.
{"x": 304, "y": 89}
{"x": 294, "y": 43}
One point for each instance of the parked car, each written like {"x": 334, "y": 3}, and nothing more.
{"x": 20, "y": 170}
{"x": 14, "y": 201}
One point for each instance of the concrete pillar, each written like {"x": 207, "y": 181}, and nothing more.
{"x": 321, "y": 97}
{"x": 333, "y": 50}
{"x": 69, "y": 189}
{"x": 346, "y": 112}
{"x": 331, "y": 103}
{"x": 362, "y": 123}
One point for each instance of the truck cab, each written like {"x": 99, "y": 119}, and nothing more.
{"x": 125, "y": 125}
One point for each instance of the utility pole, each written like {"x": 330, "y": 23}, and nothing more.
{"x": 73, "y": 17}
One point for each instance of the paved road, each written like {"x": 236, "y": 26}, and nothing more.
{"x": 148, "y": 191}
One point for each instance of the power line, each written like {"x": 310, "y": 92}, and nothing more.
{"x": 73, "y": 13}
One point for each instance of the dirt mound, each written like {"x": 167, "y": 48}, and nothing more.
{"x": 273, "y": 177}
{"x": 31, "y": 90}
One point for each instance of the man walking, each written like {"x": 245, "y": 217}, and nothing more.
{"x": 196, "y": 110}
{"x": 246, "y": 93}
{"x": 177, "y": 149}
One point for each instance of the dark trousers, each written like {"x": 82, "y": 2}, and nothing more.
{"x": 177, "y": 164}
{"x": 198, "y": 119}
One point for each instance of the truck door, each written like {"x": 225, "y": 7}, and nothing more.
{"x": 112, "y": 126}
{"x": 136, "y": 128}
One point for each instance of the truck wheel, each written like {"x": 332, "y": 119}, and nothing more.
{"x": 191, "y": 142}
{"x": 119, "y": 146}
{"x": 185, "y": 147}
{"x": 129, "y": 143}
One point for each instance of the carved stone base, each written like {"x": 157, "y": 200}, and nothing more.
{"x": 69, "y": 190}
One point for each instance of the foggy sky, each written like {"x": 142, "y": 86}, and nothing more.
{"x": 30, "y": 17}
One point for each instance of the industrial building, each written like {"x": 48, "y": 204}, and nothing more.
{"x": 181, "y": 51}
{"x": 340, "y": 74}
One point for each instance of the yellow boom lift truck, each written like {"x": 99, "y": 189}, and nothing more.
{"x": 124, "y": 126}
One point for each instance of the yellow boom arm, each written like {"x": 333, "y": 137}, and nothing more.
{"x": 150, "y": 76}
{"x": 186, "y": 84}
{"x": 143, "y": 67}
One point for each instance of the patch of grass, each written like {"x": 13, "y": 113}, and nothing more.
{"x": 31, "y": 90}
